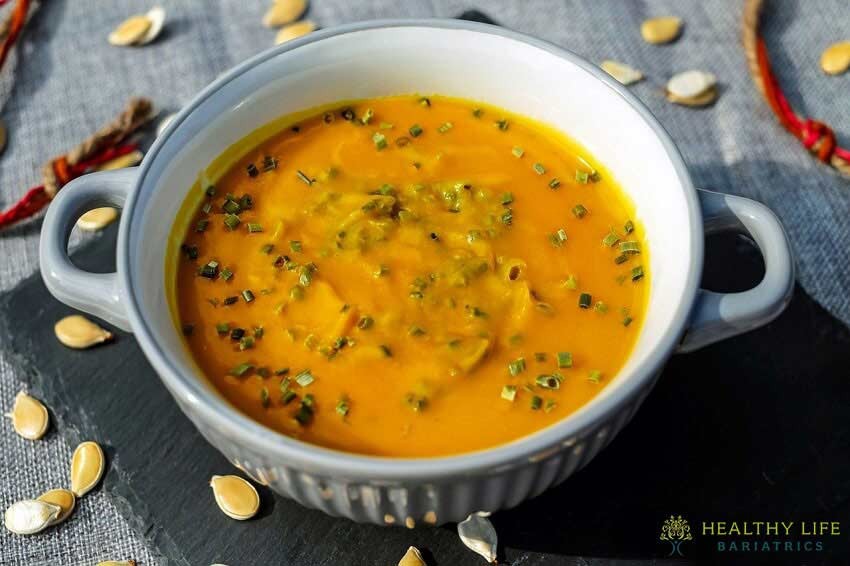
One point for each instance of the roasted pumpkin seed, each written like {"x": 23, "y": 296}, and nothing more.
{"x": 235, "y": 496}
{"x": 623, "y": 73}
{"x": 836, "y": 58}
{"x": 478, "y": 534}
{"x": 692, "y": 88}
{"x": 29, "y": 516}
{"x": 293, "y": 31}
{"x": 87, "y": 465}
{"x": 97, "y": 219}
{"x": 76, "y": 331}
{"x": 412, "y": 558}
{"x": 62, "y": 498}
{"x": 284, "y": 12}
{"x": 703, "y": 99}
{"x": 661, "y": 30}
{"x": 130, "y": 31}
{"x": 127, "y": 160}
{"x": 156, "y": 17}
{"x": 29, "y": 417}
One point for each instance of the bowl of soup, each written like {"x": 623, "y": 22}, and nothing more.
{"x": 406, "y": 271}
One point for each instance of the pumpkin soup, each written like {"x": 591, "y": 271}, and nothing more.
{"x": 410, "y": 276}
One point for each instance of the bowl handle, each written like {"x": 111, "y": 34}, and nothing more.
{"x": 716, "y": 316}
{"x": 98, "y": 294}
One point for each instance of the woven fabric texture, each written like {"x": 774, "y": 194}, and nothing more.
{"x": 65, "y": 80}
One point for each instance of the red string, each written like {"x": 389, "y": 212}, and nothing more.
{"x": 36, "y": 198}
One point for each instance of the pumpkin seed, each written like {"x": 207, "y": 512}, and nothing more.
{"x": 836, "y": 58}
{"x": 87, "y": 465}
{"x": 62, "y": 498}
{"x": 661, "y": 30}
{"x": 235, "y": 497}
{"x": 130, "y": 31}
{"x": 156, "y": 17}
{"x": 29, "y": 517}
{"x": 284, "y": 12}
{"x": 76, "y": 331}
{"x": 117, "y": 563}
{"x": 623, "y": 73}
{"x": 127, "y": 160}
{"x": 97, "y": 219}
{"x": 29, "y": 417}
{"x": 293, "y": 31}
{"x": 703, "y": 99}
{"x": 478, "y": 534}
{"x": 412, "y": 558}
{"x": 690, "y": 84}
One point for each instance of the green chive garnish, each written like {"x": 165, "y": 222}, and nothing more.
{"x": 579, "y": 211}
{"x": 516, "y": 367}
{"x": 582, "y": 177}
{"x": 502, "y": 124}
{"x": 254, "y": 227}
{"x": 594, "y": 376}
{"x": 202, "y": 225}
{"x": 222, "y": 328}
{"x": 296, "y": 293}
{"x": 477, "y": 112}
{"x": 627, "y": 320}
{"x": 287, "y": 397}
{"x": 210, "y": 270}
{"x": 549, "y": 381}
{"x": 600, "y": 307}
{"x": 554, "y": 183}
{"x": 507, "y": 217}
{"x": 246, "y": 343}
{"x": 507, "y": 198}
{"x": 584, "y": 300}
{"x": 445, "y": 127}
{"x": 380, "y": 140}
{"x": 538, "y": 168}
{"x": 386, "y": 350}
{"x": 342, "y": 407}
{"x": 365, "y": 322}
{"x": 518, "y": 151}
{"x": 425, "y": 102}
{"x": 550, "y": 405}
{"x": 247, "y": 295}
{"x": 540, "y": 356}
{"x": 264, "y": 397}
{"x": 565, "y": 360}
{"x": 416, "y": 402}
{"x": 367, "y": 116}
{"x": 304, "y": 378}
{"x": 621, "y": 258}
{"x": 231, "y": 221}
{"x": 536, "y": 403}
{"x": 416, "y": 330}
{"x": 210, "y": 191}
{"x": 629, "y": 227}
{"x": 241, "y": 369}
{"x": 252, "y": 170}
{"x": 295, "y": 246}
{"x": 226, "y": 274}
{"x": 558, "y": 238}
{"x": 267, "y": 248}
{"x": 415, "y": 130}
{"x": 611, "y": 239}
{"x": 571, "y": 283}
{"x": 509, "y": 392}
{"x": 629, "y": 247}
{"x": 637, "y": 273}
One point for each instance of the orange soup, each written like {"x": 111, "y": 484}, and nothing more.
{"x": 410, "y": 276}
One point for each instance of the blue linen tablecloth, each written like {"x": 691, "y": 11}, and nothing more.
{"x": 66, "y": 80}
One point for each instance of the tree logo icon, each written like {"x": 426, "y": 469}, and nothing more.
{"x": 675, "y": 530}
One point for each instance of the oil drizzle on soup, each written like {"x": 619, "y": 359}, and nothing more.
{"x": 411, "y": 276}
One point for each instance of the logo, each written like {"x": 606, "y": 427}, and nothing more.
{"x": 675, "y": 530}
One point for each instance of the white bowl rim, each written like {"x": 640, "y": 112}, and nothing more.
{"x": 277, "y": 447}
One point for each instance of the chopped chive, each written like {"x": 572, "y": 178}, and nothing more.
{"x": 305, "y": 277}
{"x": 302, "y": 176}
{"x": 516, "y": 367}
{"x": 247, "y": 295}
{"x": 190, "y": 251}
{"x": 600, "y": 307}
{"x": 270, "y": 163}
{"x": 296, "y": 293}
{"x": 538, "y": 168}
{"x": 629, "y": 247}
{"x": 637, "y": 273}
{"x": 207, "y": 207}
{"x": 295, "y": 246}
{"x": 380, "y": 140}
{"x": 536, "y": 403}
{"x": 552, "y": 381}
{"x": 367, "y": 116}
{"x": 627, "y": 320}
{"x": 582, "y": 177}
{"x": 565, "y": 360}
{"x": 402, "y": 141}
{"x": 509, "y": 392}
{"x": 416, "y": 330}
{"x": 365, "y": 322}
{"x": 594, "y": 376}
{"x": 342, "y": 407}
{"x": 579, "y": 211}
{"x": 502, "y": 124}
{"x": 202, "y": 225}
{"x": 288, "y": 396}
{"x": 629, "y": 227}
{"x": 267, "y": 248}
{"x": 231, "y": 207}
{"x": 304, "y": 414}
{"x": 571, "y": 283}
{"x": 385, "y": 126}
{"x": 259, "y": 332}
{"x": 254, "y": 227}
{"x": 188, "y": 329}
{"x": 222, "y": 328}
{"x": 545, "y": 308}
{"x": 231, "y": 221}
{"x": 507, "y": 217}
{"x": 230, "y": 300}
{"x": 309, "y": 400}
{"x": 550, "y": 405}
{"x": 304, "y": 378}
{"x": 445, "y": 127}
{"x": 584, "y": 300}
{"x": 210, "y": 191}
{"x": 328, "y": 118}
{"x": 416, "y": 402}
{"x": 226, "y": 274}
{"x": 241, "y": 369}
{"x": 415, "y": 130}
{"x": 386, "y": 350}
{"x": 252, "y": 170}
{"x": 210, "y": 270}
{"x": 621, "y": 258}
{"x": 554, "y": 183}
{"x": 507, "y": 198}
{"x": 518, "y": 151}
{"x": 381, "y": 271}
{"x": 595, "y": 177}
{"x": 477, "y": 112}
{"x": 611, "y": 239}
{"x": 558, "y": 238}
{"x": 348, "y": 114}
{"x": 246, "y": 202}
{"x": 425, "y": 102}
{"x": 246, "y": 343}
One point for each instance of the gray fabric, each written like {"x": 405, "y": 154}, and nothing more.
{"x": 71, "y": 81}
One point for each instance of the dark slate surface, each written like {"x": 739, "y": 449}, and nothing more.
{"x": 754, "y": 428}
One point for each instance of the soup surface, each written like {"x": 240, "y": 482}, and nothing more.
{"x": 410, "y": 276}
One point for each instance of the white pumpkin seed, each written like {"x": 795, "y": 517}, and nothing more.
{"x": 76, "y": 331}
{"x": 87, "y": 465}
{"x": 130, "y": 31}
{"x": 164, "y": 124}
{"x": 478, "y": 534}
{"x": 284, "y": 12}
{"x": 127, "y": 160}
{"x": 690, "y": 84}
{"x": 235, "y": 497}
{"x": 661, "y": 30}
{"x": 62, "y": 498}
{"x": 412, "y": 558}
{"x": 704, "y": 99}
{"x": 29, "y": 517}
{"x": 156, "y": 17}
{"x": 623, "y": 73}
{"x": 293, "y": 31}
{"x": 836, "y": 58}
{"x": 97, "y": 219}
{"x": 117, "y": 563}
{"x": 29, "y": 417}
